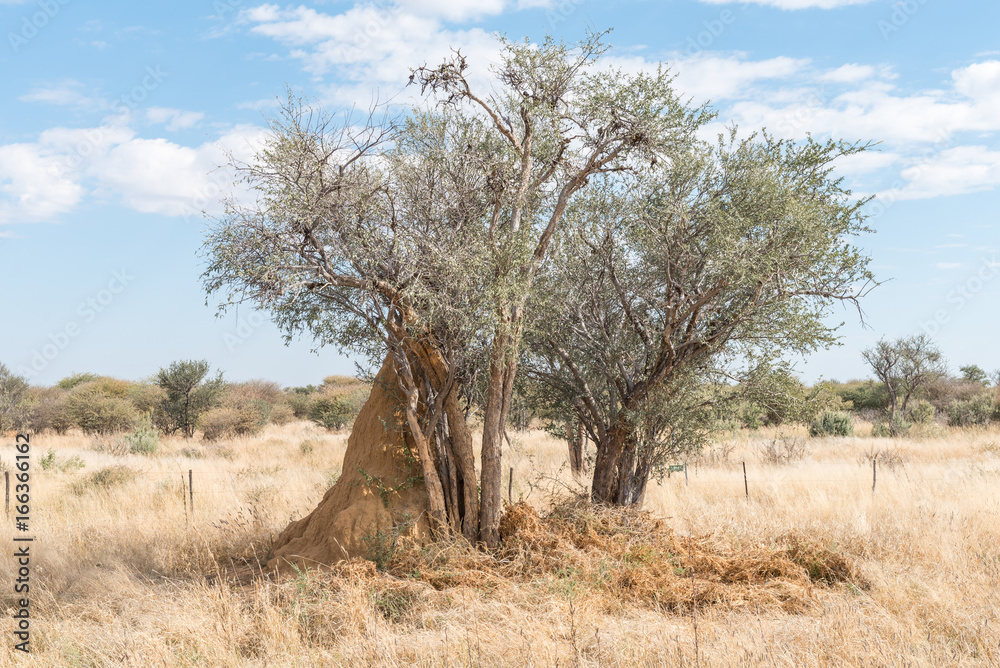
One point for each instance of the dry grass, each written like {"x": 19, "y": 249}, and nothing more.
{"x": 812, "y": 570}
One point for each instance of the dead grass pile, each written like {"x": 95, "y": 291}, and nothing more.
{"x": 619, "y": 556}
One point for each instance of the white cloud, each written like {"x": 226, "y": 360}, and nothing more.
{"x": 849, "y": 73}
{"x": 795, "y": 4}
{"x": 954, "y": 171}
{"x": 65, "y": 93}
{"x": 52, "y": 176}
{"x": 949, "y": 265}
{"x": 714, "y": 77}
{"x": 174, "y": 119}
{"x": 35, "y": 184}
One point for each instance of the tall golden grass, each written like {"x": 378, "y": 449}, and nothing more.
{"x": 124, "y": 573}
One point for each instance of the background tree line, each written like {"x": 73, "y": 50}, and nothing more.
{"x": 179, "y": 399}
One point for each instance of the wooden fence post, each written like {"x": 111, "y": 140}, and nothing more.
{"x": 510, "y": 486}
{"x": 686, "y": 483}
{"x": 746, "y": 485}
{"x": 874, "y": 475}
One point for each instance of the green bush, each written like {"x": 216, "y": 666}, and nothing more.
{"x": 15, "y": 401}
{"x": 69, "y": 382}
{"x": 144, "y": 439}
{"x": 863, "y": 395}
{"x": 884, "y": 429}
{"x": 51, "y": 412}
{"x": 331, "y": 412}
{"x": 832, "y": 423}
{"x": 977, "y": 411}
{"x": 922, "y": 412}
{"x": 95, "y": 410}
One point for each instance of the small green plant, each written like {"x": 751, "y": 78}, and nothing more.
{"x": 144, "y": 439}
{"x": 104, "y": 480}
{"x": 832, "y": 423}
{"x": 50, "y": 462}
{"x": 306, "y": 447}
{"x": 383, "y": 542}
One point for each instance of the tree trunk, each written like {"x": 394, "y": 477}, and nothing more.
{"x": 501, "y": 381}
{"x": 604, "y": 488}
{"x": 575, "y": 439}
{"x": 438, "y": 426}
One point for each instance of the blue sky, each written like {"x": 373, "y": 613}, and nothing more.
{"x": 117, "y": 118}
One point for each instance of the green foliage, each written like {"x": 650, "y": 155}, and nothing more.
{"x": 144, "y": 439}
{"x": 382, "y": 542}
{"x": 52, "y": 462}
{"x": 306, "y": 447}
{"x": 105, "y": 480}
{"x": 972, "y": 373}
{"x": 101, "y": 407}
{"x": 69, "y": 382}
{"x": 15, "y": 401}
{"x": 300, "y": 403}
{"x": 921, "y": 412}
{"x": 146, "y": 397}
{"x": 51, "y": 411}
{"x": 975, "y": 412}
{"x": 863, "y": 395}
{"x": 822, "y": 398}
{"x": 888, "y": 427}
{"x": 832, "y": 423}
{"x": 331, "y": 412}
{"x": 188, "y": 394}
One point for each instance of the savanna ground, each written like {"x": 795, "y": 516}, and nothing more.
{"x": 813, "y": 570}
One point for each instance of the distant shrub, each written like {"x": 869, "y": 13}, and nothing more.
{"x": 884, "y": 429}
{"x": 146, "y": 397}
{"x": 144, "y": 439}
{"x": 977, "y": 411}
{"x": 331, "y": 412}
{"x": 50, "y": 412}
{"x": 282, "y": 413}
{"x": 69, "y": 382}
{"x": 832, "y": 423}
{"x": 863, "y": 395}
{"x": 98, "y": 408}
{"x": 300, "y": 403}
{"x": 15, "y": 401}
{"x": 922, "y": 412}
{"x": 306, "y": 447}
{"x": 225, "y": 422}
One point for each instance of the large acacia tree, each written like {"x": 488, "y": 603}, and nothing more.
{"x": 422, "y": 236}
{"x": 689, "y": 280}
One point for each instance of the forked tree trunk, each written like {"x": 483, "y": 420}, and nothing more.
{"x": 438, "y": 427}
